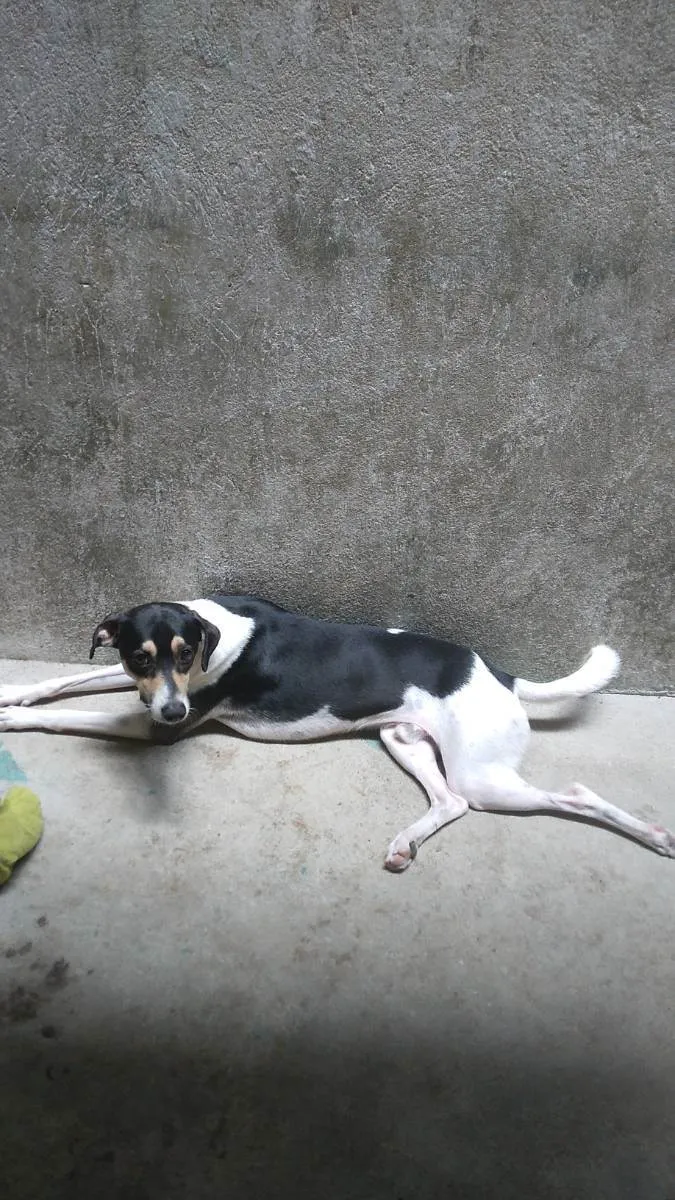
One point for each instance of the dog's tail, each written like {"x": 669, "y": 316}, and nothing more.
{"x": 601, "y": 665}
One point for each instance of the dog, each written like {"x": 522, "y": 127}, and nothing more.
{"x": 445, "y": 715}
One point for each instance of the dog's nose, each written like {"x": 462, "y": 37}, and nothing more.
{"x": 172, "y": 711}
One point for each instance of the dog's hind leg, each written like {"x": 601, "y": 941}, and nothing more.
{"x": 500, "y": 789}
{"x": 415, "y": 752}
{"x": 102, "y": 679}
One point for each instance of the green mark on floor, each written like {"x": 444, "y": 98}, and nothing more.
{"x": 9, "y": 768}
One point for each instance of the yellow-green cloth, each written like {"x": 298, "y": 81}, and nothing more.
{"x": 21, "y": 826}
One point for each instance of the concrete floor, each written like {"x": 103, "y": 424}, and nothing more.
{"x": 210, "y": 988}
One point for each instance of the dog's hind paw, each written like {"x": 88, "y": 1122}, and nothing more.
{"x": 400, "y": 854}
{"x": 664, "y": 841}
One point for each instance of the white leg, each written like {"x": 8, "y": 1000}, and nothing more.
{"x": 103, "y": 679}
{"x": 71, "y": 720}
{"x": 503, "y": 790}
{"x": 413, "y": 751}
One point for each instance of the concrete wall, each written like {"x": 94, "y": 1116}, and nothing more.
{"x": 359, "y": 305}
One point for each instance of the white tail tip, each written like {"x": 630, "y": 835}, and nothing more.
{"x": 604, "y": 663}
{"x": 600, "y": 667}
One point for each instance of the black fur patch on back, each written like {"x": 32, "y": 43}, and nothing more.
{"x": 294, "y": 666}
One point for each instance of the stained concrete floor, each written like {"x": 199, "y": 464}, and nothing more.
{"x": 210, "y": 988}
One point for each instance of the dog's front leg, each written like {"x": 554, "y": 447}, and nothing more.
{"x": 71, "y": 720}
{"x": 103, "y": 679}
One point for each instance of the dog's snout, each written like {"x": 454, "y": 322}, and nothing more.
{"x": 173, "y": 711}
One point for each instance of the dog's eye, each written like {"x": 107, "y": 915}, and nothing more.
{"x": 186, "y": 656}
{"x": 140, "y": 659}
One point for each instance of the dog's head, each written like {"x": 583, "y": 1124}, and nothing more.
{"x": 161, "y": 646}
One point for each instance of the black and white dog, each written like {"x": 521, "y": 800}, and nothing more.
{"x": 446, "y": 716}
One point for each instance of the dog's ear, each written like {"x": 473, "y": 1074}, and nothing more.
{"x": 106, "y": 633}
{"x": 211, "y": 639}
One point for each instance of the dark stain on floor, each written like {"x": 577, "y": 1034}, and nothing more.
{"x": 57, "y": 975}
{"x": 19, "y": 1005}
{"x": 23, "y": 1004}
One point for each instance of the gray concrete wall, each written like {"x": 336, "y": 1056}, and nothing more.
{"x": 362, "y": 306}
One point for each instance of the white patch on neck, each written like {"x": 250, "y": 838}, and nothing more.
{"x": 235, "y": 632}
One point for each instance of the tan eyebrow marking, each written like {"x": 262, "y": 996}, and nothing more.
{"x": 149, "y": 687}
{"x": 149, "y": 647}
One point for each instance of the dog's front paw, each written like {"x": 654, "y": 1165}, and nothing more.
{"x": 400, "y": 854}
{"x": 12, "y": 719}
{"x": 17, "y": 693}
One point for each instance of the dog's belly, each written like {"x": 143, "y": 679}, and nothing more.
{"x": 321, "y": 724}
